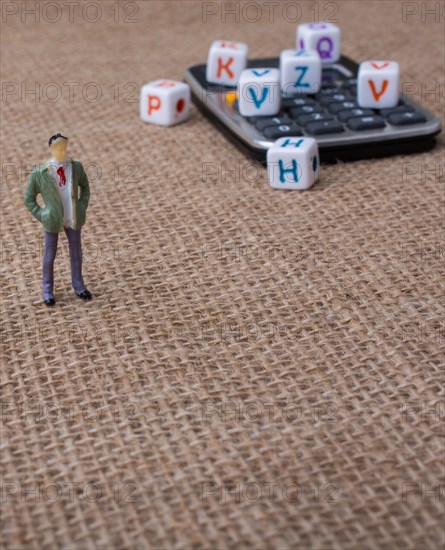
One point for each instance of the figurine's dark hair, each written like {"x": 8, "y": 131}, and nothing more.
{"x": 54, "y": 137}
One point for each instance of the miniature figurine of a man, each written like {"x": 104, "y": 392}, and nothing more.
{"x": 63, "y": 185}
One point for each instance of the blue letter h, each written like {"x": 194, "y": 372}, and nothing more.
{"x": 293, "y": 170}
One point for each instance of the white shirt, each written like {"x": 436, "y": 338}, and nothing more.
{"x": 64, "y": 183}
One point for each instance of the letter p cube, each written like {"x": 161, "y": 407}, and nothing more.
{"x": 165, "y": 102}
{"x": 293, "y": 163}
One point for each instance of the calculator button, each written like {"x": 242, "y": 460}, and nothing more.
{"x": 285, "y": 130}
{"x": 305, "y": 110}
{"x": 349, "y": 113}
{"x": 313, "y": 117}
{"x": 326, "y": 100}
{"x": 288, "y": 103}
{"x": 400, "y": 119}
{"x": 255, "y": 119}
{"x": 398, "y": 109}
{"x": 325, "y": 92}
{"x": 349, "y": 83}
{"x": 335, "y": 108}
{"x": 265, "y": 122}
{"x": 324, "y": 127}
{"x": 349, "y": 86}
{"x": 365, "y": 123}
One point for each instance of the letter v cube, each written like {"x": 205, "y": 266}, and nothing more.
{"x": 293, "y": 163}
{"x": 378, "y": 84}
{"x": 226, "y": 61}
{"x": 165, "y": 102}
{"x": 300, "y": 72}
{"x": 259, "y": 92}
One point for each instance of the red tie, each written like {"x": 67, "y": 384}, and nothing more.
{"x": 62, "y": 178}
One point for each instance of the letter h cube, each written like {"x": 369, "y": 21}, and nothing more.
{"x": 293, "y": 163}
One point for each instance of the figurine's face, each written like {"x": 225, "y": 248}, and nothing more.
{"x": 58, "y": 149}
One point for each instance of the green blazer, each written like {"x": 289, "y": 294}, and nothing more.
{"x": 50, "y": 216}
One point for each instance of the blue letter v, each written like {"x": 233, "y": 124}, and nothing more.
{"x": 258, "y": 102}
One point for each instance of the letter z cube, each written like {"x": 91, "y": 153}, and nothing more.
{"x": 300, "y": 72}
{"x": 226, "y": 61}
{"x": 378, "y": 84}
{"x": 165, "y": 102}
{"x": 293, "y": 163}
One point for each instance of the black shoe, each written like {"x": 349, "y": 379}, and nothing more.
{"x": 85, "y": 295}
{"x": 49, "y": 302}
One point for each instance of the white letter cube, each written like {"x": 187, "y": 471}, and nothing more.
{"x": 300, "y": 71}
{"x": 378, "y": 84}
{"x": 165, "y": 102}
{"x": 226, "y": 61}
{"x": 259, "y": 92}
{"x": 324, "y": 38}
{"x": 293, "y": 163}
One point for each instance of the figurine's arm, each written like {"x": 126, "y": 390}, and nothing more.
{"x": 29, "y": 198}
{"x": 84, "y": 189}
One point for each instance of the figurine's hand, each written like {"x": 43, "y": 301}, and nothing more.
{"x": 36, "y": 211}
{"x": 29, "y": 198}
{"x": 43, "y": 213}
{"x": 81, "y": 213}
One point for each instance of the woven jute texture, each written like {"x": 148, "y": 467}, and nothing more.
{"x": 257, "y": 368}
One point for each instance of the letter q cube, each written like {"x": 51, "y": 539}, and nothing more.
{"x": 293, "y": 163}
{"x": 226, "y": 61}
{"x": 324, "y": 38}
{"x": 165, "y": 102}
{"x": 378, "y": 84}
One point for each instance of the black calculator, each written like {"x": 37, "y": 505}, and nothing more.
{"x": 343, "y": 130}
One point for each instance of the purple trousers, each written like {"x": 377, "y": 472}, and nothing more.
{"x": 49, "y": 255}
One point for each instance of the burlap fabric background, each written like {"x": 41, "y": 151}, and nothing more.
{"x": 257, "y": 368}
